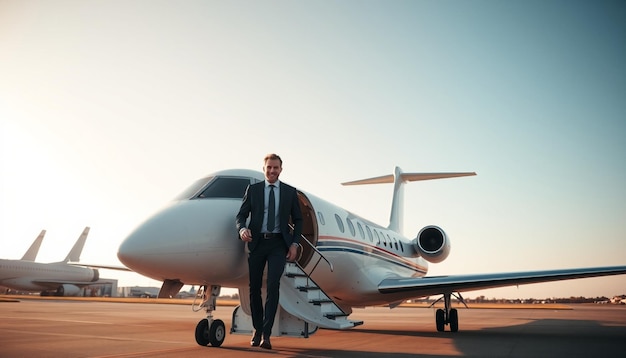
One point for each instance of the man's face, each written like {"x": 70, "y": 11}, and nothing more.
{"x": 272, "y": 170}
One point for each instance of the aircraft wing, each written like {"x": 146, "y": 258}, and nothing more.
{"x": 427, "y": 286}
{"x": 109, "y": 267}
{"x": 53, "y": 284}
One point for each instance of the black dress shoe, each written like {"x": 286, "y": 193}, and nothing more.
{"x": 266, "y": 344}
{"x": 256, "y": 340}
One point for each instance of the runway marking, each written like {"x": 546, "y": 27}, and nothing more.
{"x": 147, "y": 353}
{"x": 74, "y": 321}
{"x": 56, "y": 320}
{"x": 93, "y": 336}
{"x": 224, "y": 351}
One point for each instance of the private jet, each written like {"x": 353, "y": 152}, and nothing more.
{"x": 57, "y": 278}
{"x": 345, "y": 261}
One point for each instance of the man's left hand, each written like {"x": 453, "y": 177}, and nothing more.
{"x": 292, "y": 253}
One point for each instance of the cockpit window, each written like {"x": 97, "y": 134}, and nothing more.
{"x": 223, "y": 187}
{"x": 193, "y": 189}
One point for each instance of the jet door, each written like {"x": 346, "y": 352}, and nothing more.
{"x": 309, "y": 230}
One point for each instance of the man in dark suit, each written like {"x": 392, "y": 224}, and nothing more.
{"x": 269, "y": 204}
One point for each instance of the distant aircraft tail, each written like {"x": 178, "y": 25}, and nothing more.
{"x": 33, "y": 250}
{"x": 399, "y": 178}
{"x": 74, "y": 254}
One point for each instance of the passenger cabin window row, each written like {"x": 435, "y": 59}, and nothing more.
{"x": 377, "y": 236}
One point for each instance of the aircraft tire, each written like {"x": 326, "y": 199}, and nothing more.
{"x": 440, "y": 320}
{"x": 202, "y": 332}
{"x": 217, "y": 333}
{"x": 454, "y": 320}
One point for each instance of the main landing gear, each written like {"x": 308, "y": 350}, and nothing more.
{"x": 208, "y": 330}
{"x": 448, "y": 315}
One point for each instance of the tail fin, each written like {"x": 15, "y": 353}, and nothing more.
{"x": 399, "y": 178}
{"x": 33, "y": 250}
{"x": 74, "y": 254}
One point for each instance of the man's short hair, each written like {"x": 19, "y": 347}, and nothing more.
{"x": 273, "y": 156}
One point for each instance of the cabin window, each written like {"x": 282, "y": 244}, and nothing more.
{"x": 351, "y": 227}
{"x": 377, "y": 237}
{"x": 401, "y": 246}
{"x": 224, "y": 187}
{"x": 340, "y": 224}
{"x": 320, "y": 217}
{"x": 369, "y": 233}
{"x": 395, "y": 243}
{"x": 358, "y": 224}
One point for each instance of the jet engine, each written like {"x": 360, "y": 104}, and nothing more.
{"x": 432, "y": 244}
{"x": 67, "y": 290}
{"x": 96, "y": 275}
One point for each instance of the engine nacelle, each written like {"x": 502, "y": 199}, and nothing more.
{"x": 96, "y": 275}
{"x": 432, "y": 244}
{"x": 67, "y": 290}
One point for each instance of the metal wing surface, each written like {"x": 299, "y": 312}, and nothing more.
{"x": 427, "y": 286}
{"x": 108, "y": 267}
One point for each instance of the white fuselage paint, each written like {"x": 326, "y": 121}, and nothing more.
{"x": 34, "y": 276}
{"x": 196, "y": 242}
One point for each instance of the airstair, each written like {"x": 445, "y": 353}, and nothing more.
{"x": 303, "y": 298}
{"x": 303, "y": 307}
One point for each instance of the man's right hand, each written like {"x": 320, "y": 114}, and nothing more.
{"x": 245, "y": 235}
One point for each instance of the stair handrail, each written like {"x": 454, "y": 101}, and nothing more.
{"x": 321, "y": 256}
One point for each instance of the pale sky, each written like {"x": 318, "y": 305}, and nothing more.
{"x": 108, "y": 109}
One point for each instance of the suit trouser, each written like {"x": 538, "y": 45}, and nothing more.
{"x": 273, "y": 252}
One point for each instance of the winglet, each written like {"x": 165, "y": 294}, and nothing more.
{"x": 33, "y": 250}
{"x": 399, "y": 178}
{"x": 74, "y": 254}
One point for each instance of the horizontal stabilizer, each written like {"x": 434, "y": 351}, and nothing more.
{"x": 398, "y": 178}
{"x": 408, "y": 177}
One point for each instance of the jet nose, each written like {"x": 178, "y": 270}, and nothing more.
{"x": 152, "y": 242}
{"x": 129, "y": 253}
{"x": 194, "y": 241}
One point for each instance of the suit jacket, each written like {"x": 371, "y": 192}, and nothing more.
{"x": 253, "y": 205}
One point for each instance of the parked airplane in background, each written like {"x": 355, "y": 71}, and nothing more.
{"x": 144, "y": 292}
{"x": 346, "y": 261}
{"x": 33, "y": 250}
{"x": 58, "y": 278}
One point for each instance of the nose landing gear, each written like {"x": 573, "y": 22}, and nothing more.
{"x": 208, "y": 330}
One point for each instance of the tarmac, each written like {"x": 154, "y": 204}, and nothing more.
{"x": 71, "y": 328}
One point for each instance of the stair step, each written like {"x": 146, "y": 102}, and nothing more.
{"x": 318, "y": 307}
{"x": 292, "y": 274}
{"x": 335, "y": 315}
